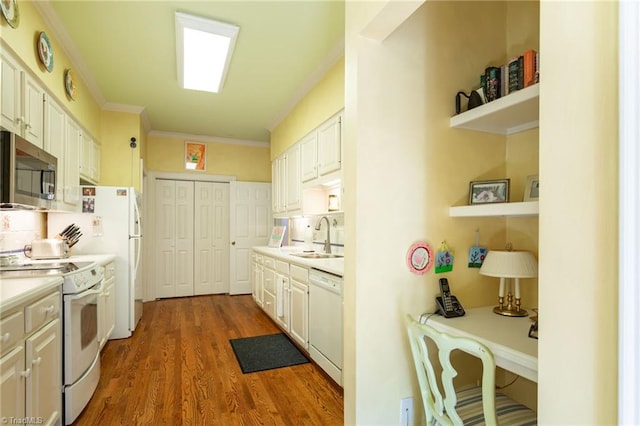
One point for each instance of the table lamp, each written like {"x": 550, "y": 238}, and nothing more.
{"x": 509, "y": 264}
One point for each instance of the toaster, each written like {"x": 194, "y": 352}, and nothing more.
{"x": 49, "y": 248}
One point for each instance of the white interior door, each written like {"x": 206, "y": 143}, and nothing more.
{"x": 174, "y": 238}
{"x": 250, "y": 225}
{"x": 211, "y": 238}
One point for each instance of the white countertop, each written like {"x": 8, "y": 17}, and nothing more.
{"x": 16, "y": 291}
{"x": 333, "y": 265}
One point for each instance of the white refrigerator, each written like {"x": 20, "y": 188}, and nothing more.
{"x": 111, "y": 223}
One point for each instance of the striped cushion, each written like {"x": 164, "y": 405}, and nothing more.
{"x": 508, "y": 411}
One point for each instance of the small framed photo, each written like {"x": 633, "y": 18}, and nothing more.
{"x": 489, "y": 191}
{"x": 532, "y": 188}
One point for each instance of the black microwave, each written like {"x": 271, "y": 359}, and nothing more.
{"x": 28, "y": 174}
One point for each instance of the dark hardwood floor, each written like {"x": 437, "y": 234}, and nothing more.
{"x": 179, "y": 369}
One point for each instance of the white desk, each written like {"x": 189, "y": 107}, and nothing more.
{"x": 507, "y": 337}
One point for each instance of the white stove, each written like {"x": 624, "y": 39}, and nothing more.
{"x": 78, "y": 276}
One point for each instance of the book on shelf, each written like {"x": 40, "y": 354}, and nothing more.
{"x": 513, "y": 67}
{"x": 520, "y": 72}
{"x": 504, "y": 86}
{"x": 492, "y": 77}
{"x": 529, "y": 62}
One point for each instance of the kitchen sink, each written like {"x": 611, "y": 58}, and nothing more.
{"x": 317, "y": 255}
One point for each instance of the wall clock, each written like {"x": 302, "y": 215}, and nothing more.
{"x": 420, "y": 258}
{"x": 10, "y": 12}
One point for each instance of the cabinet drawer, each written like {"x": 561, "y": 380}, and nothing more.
{"x": 11, "y": 330}
{"x": 41, "y": 312}
{"x": 300, "y": 274}
{"x": 282, "y": 267}
{"x": 260, "y": 259}
{"x": 269, "y": 262}
{"x": 109, "y": 270}
{"x": 269, "y": 305}
{"x": 269, "y": 280}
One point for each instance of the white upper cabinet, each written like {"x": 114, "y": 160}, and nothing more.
{"x": 55, "y": 121}
{"x": 330, "y": 146}
{"x": 292, "y": 184}
{"x": 22, "y": 102}
{"x": 89, "y": 159}
{"x": 309, "y": 156}
{"x": 71, "y": 185}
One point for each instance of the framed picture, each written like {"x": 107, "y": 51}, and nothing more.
{"x": 489, "y": 191}
{"x": 532, "y": 188}
{"x": 195, "y": 155}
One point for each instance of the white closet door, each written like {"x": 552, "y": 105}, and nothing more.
{"x": 250, "y": 225}
{"x": 174, "y": 238}
{"x": 184, "y": 238}
{"x": 211, "y": 238}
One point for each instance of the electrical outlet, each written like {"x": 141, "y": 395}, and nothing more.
{"x": 406, "y": 411}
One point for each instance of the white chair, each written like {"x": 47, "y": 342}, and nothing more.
{"x": 472, "y": 406}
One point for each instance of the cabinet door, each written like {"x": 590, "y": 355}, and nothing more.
{"x": 12, "y": 383}
{"x": 292, "y": 184}
{"x": 275, "y": 185}
{"x": 73, "y": 142}
{"x": 86, "y": 156}
{"x": 109, "y": 309}
{"x": 309, "y": 157}
{"x": 299, "y": 307}
{"x": 282, "y": 301}
{"x": 95, "y": 162}
{"x": 329, "y": 146}
{"x": 43, "y": 356}
{"x": 33, "y": 97}
{"x": 54, "y": 137}
{"x": 258, "y": 274}
{"x": 10, "y": 94}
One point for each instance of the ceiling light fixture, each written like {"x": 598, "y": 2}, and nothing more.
{"x": 203, "y": 51}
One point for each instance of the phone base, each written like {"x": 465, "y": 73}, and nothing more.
{"x": 510, "y": 312}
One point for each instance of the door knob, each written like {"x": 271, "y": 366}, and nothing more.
{"x": 233, "y": 243}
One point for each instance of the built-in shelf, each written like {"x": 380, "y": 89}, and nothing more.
{"x": 516, "y": 112}
{"x": 526, "y": 208}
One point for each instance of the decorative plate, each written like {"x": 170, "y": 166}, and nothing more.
{"x": 70, "y": 84}
{"x": 45, "y": 52}
{"x": 10, "y": 12}
{"x": 420, "y": 258}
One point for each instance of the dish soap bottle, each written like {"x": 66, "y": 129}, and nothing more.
{"x": 308, "y": 239}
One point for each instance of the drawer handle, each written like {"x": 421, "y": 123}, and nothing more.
{"x": 26, "y": 373}
{"x": 37, "y": 361}
{"x": 49, "y": 310}
{"x": 6, "y": 337}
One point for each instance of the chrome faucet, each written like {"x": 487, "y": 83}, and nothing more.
{"x": 327, "y": 242}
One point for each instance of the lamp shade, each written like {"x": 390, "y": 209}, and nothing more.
{"x": 510, "y": 264}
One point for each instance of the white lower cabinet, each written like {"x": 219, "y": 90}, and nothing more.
{"x": 283, "y": 289}
{"x": 31, "y": 362}
{"x": 299, "y": 302}
{"x": 107, "y": 305}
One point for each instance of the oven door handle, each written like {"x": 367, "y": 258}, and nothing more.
{"x": 84, "y": 294}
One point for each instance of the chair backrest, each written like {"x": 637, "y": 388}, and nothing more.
{"x": 438, "y": 406}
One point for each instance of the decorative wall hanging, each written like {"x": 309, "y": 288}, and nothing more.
{"x": 45, "y": 52}
{"x": 444, "y": 259}
{"x": 70, "y": 84}
{"x": 477, "y": 253}
{"x": 195, "y": 156}
{"x": 11, "y": 12}
{"x": 420, "y": 258}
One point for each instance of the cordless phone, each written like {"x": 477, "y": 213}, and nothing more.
{"x": 448, "y": 305}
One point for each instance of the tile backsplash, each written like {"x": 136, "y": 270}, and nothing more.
{"x": 19, "y": 228}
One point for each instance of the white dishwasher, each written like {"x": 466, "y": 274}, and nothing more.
{"x": 325, "y": 322}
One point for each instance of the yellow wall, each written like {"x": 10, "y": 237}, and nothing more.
{"x": 324, "y": 100}
{"x": 247, "y": 163}
{"x": 120, "y": 164}
{"x": 22, "y": 41}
